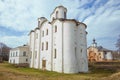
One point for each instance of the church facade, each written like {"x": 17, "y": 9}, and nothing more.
{"x": 98, "y": 53}
{"x": 59, "y": 44}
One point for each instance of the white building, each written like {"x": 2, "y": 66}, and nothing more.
{"x": 19, "y": 55}
{"x": 59, "y": 45}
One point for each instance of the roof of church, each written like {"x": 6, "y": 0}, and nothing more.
{"x": 100, "y": 48}
{"x": 62, "y": 19}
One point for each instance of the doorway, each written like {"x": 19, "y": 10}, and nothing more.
{"x": 43, "y": 64}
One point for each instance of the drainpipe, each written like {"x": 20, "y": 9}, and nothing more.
{"x": 52, "y": 49}
{"x": 39, "y": 52}
{"x": 33, "y": 50}
{"x": 62, "y": 47}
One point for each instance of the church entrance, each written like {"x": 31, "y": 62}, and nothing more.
{"x": 43, "y": 64}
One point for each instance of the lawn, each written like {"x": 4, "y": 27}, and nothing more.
{"x": 10, "y": 72}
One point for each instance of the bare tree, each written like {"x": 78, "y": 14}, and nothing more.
{"x": 4, "y": 51}
{"x": 118, "y": 44}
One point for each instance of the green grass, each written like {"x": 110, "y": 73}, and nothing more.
{"x": 34, "y": 74}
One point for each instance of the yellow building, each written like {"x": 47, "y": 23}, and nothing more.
{"x": 98, "y": 53}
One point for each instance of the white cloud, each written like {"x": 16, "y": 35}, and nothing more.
{"x": 22, "y": 14}
{"x": 14, "y": 41}
{"x": 101, "y": 19}
{"x": 104, "y": 25}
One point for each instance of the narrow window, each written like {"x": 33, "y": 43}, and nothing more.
{"x": 55, "y": 28}
{"x": 16, "y": 53}
{"x": 65, "y": 15}
{"x": 81, "y": 50}
{"x": 11, "y": 54}
{"x": 35, "y": 54}
{"x": 47, "y": 32}
{"x": 24, "y": 53}
{"x": 75, "y": 50}
{"x": 36, "y": 35}
{"x": 42, "y": 33}
{"x": 42, "y": 46}
{"x": 30, "y": 54}
{"x": 55, "y": 53}
{"x": 14, "y": 61}
{"x": 46, "y": 45}
{"x": 26, "y": 60}
{"x": 38, "y": 23}
{"x": 56, "y": 14}
{"x": 53, "y": 18}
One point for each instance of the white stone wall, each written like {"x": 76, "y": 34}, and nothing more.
{"x": 45, "y": 54}
{"x": 32, "y": 49}
{"x": 109, "y": 56}
{"x": 67, "y": 46}
{"x": 37, "y": 47}
{"x": 57, "y": 44}
{"x": 82, "y": 47}
{"x": 70, "y": 62}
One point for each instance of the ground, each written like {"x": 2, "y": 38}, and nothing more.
{"x": 10, "y": 72}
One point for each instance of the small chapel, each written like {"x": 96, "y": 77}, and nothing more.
{"x": 98, "y": 53}
{"x": 59, "y": 44}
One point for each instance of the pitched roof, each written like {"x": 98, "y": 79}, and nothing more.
{"x": 100, "y": 48}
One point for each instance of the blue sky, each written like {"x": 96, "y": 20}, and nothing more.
{"x": 18, "y": 17}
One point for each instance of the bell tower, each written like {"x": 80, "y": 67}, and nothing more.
{"x": 94, "y": 44}
{"x": 60, "y": 12}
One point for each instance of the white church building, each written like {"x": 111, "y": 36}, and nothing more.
{"x": 59, "y": 44}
